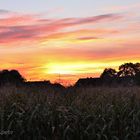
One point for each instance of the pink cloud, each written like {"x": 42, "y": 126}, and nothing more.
{"x": 26, "y": 27}
{"x": 87, "y": 38}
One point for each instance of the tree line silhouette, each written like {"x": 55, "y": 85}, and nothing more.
{"x": 128, "y": 74}
{"x": 125, "y": 70}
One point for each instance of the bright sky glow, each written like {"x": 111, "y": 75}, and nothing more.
{"x": 77, "y": 38}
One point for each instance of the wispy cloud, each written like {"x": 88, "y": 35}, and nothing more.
{"x": 2, "y": 11}
{"x": 27, "y": 27}
{"x": 89, "y": 20}
{"x": 87, "y": 38}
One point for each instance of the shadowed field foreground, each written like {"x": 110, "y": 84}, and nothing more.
{"x": 70, "y": 114}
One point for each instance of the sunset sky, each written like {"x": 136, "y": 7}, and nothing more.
{"x": 63, "y": 40}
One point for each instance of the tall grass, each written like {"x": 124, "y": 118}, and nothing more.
{"x": 72, "y": 114}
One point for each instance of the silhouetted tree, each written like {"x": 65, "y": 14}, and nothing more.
{"x": 13, "y": 77}
{"x": 109, "y": 73}
{"x": 129, "y": 69}
{"x": 108, "y": 76}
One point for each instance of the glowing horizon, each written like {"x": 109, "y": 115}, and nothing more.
{"x": 46, "y": 40}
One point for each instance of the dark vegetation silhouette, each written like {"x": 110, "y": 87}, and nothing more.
{"x": 11, "y": 77}
{"x": 128, "y": 75}
{"x": 14, "y": 78}
{"x": 129, "y": 70}
{"x": 109, "y": 73}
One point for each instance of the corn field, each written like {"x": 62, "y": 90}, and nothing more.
{"x": 72, "y": 114}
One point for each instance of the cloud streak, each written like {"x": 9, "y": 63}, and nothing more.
{"x": 2, "y": 11}
{"x": 24, "y": 28}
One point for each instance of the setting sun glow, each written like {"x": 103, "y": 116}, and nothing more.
{"x": 80, "y": 40}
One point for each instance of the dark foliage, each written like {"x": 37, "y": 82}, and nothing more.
{"x": 137, "y": 78}
{"x": 129, "y": 69}
{"x": 109, "y": 73}
{"x": 10, "y": 77}
{"x": 128, "y": 75}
